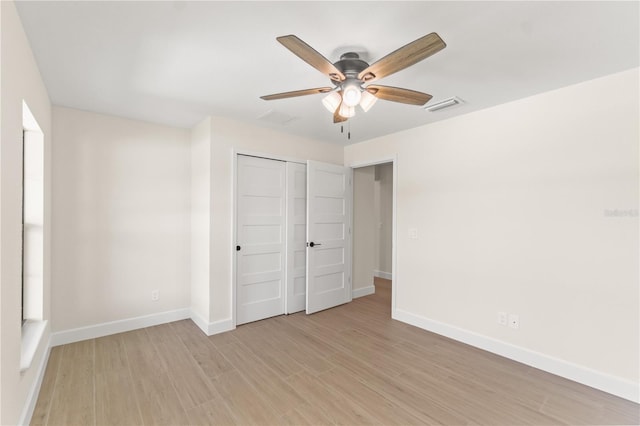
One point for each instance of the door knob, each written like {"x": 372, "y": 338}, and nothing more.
{"x": 312, "y": 244}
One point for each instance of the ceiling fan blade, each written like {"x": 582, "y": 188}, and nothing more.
{"x": 311, "y": 56}
{"x": 404, "y": 57}
{"x": 396, "y": 94}
{"x": 296, "y": 93}
{"x": 337, "y": 118}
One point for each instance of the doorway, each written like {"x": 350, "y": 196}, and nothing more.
{"x": 373, "y": 230}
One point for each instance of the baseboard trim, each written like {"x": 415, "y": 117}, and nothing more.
{"x": 584, "y": 375}
{"x": 365, "y": 291}
{"x": 211, "y": 328}
{"x": 383, "y": 274}
{"x": 119, "y": 326}
{"x": 34, "y": 391}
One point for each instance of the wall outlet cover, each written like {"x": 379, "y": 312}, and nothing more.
{"x": 514, "y": 321}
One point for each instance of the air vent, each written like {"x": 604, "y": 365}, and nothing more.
{"x": 447, "y": 103}
{"x": 277, "y": 117}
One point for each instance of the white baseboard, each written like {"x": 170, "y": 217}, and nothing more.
{"x": 211, "y": 328}
{"x": 382, "y": 274}
{"x": 614, "y": 385}
{"x": 119, "y": 326}
{"x": 364, "y": 291}
{"x": 34, "y": 391}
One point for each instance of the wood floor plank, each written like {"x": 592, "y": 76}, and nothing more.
{"x": 394, "y": 389}
{"x": 308, "y": 413}
{"x": 510, "y": 384}
{"x": 381, "y": 408}
{"x": 41, "y": 411}
{"x": 73, "y": 400}
{"x": 315, "y": 344}
{"x": 113, "y": 383}
{"x": 480, "y": 407}
{"x": 245, "y": 402}
{"x": 261, "y": 343}
{"x": 153, "y": 390}
{"x": 192, "y": 385}
{"x": 142, "y": 356}
{"x": 114, "y": 404}
{"x": 158, "y": 400}
{"x": 353, "y": 341}
{"x": 292, "y": 418}
{"x": 302, "y": 354}
{"x": 214, "y": 412}
{"x": 341, "y": 411}
{"x": 279, "y": 394}
{"x": 201, "y": 349}
{"x": 222, "y": 339}
{"x": 110, "y": 354}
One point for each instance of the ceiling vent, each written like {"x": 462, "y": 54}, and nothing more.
{"x": 447, "y": 103}
{"x": 277, "y": 117}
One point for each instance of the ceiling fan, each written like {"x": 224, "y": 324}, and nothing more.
{"x": 351, "y": 76}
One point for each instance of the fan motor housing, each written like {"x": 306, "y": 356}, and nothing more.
{"x": 350, "y": 65}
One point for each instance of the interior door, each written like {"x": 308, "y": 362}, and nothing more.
{"x": 329, "y": 198}
{"x": 260, "y": 239}
{"x": 296, "y": 237}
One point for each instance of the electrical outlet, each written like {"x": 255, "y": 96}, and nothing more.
{"x": 514, "y": 321}
{"x": 502, "y": 318}
{"x": 155, "y": 295}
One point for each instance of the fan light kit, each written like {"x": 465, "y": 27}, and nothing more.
{"x": 352, "y": 77}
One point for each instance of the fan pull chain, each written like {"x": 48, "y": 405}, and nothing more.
{"x": 342, "y": 128}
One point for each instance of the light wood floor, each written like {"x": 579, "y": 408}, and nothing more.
{"x": 348, "y": 365}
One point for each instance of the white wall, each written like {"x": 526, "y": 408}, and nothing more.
{"x": 200, "y": 220}
{"x": 227, "y": 136}
{"x": 384, "y": 218}
{"x": 121, "y": 218}
{"x": 364, "y": 229}
{"x": 19, "y": 80}
{"x": 513, "y": 208}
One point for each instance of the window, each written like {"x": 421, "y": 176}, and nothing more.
{"x": 32, "y": 236}
{"x": 22, "y": 246}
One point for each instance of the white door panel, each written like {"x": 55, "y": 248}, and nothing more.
{"x": 329, "y": 195}
{"x": 296, "y": 237}
{"x": 261, "y": 186}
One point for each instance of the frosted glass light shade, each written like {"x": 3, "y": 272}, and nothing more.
{"x": 367, "y": 101}
{"x": 332, "y": 101}
{"x": 351, "y": 94}
{"x": 346, "y": 110}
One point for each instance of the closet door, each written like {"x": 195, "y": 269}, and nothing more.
{"x": 296, "y": 236}
{"x": 329, "y": 198}
{"x": 261, "y": 255}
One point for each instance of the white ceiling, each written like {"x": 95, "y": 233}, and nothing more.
{"x": 176, "y": 62}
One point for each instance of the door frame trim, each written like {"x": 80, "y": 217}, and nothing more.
{"x": 393, "y": 159}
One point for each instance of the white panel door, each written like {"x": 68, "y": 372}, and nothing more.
{"x": 261, "y": 189}
{"x": 296, "y": 237}
{"x": 329, "y": 197}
